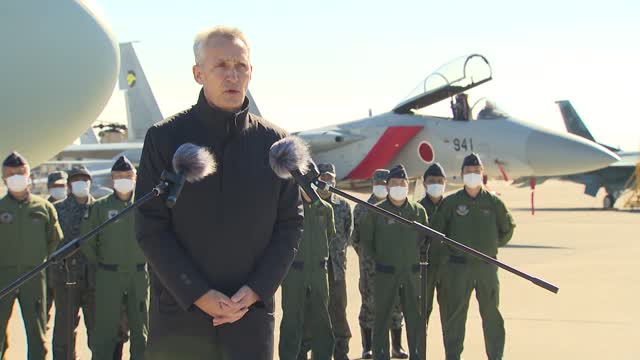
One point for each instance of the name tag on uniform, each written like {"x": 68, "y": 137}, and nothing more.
{"x": 390, "y": 221}
{"x": 485, "y": 211}
{"x": 112, "y": 213}
{"x": 462, "y": 210}
{"x": 6, "y": 218}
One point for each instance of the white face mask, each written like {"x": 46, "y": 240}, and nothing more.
{"x": 80, "y": 188}
{"x": 435, "y": 190}
{"x": 58, "y": 193}
{"x": 472, "y": 180}
{"x": 398, "y": 193}
{"x": 18, "y": 183}
{"x": 380, "y": 191}
{"x": 124, "y": 186}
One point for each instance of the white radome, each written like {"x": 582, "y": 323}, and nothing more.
{"x": 59, "y": 67}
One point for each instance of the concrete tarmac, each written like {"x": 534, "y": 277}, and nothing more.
{"x": 591, "y": 254}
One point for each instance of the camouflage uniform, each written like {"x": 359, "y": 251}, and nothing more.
{"x": 69, "y": 299}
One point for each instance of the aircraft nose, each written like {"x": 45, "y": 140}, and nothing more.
{"x": 553, "y": 154}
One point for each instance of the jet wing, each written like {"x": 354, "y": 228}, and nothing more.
{"x": 328, "y": 139}
{"x": 457, "y": 76}
{"x": 97, "y": 151}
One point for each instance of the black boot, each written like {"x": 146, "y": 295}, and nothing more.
{"x": 366, "y": 343}
{"x": 117, "y": 352}
{"x": 397, "y": 352}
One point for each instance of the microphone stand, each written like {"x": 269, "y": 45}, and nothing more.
{"x": 435, "y": 235}
{"x": 167, "y": 181}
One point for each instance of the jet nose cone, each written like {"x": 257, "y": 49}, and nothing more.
{"x": 553, "y": 154}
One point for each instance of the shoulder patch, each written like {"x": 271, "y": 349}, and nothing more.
{"x": 112, "y": 213}
{"x": 462, "y": 210}
{"x": 6, "y": 217}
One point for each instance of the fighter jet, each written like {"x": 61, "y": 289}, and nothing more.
{"x": 59, "y": 70}
{"x": 613, "y": 178}
{"x": 510, "y": 148}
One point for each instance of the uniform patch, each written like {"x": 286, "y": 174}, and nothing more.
{"x": 6, "y": 218}
{"x": 462, "y": 210}
{"x": 112, "y": 213}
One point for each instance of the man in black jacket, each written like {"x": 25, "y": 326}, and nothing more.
{"x": 219, "y": 255}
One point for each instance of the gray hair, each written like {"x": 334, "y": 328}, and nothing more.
{"x": 203, "y": 37}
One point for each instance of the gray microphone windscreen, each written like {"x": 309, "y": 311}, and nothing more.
{"x": 289, "y": 154}
{"x": 193, "y": 162}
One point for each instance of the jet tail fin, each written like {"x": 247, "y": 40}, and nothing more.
{"x": 575, "y": 125}
{"x": 572, "y": 120}
{"x": 142, "y": 108}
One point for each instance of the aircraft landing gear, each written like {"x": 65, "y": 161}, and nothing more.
{"x": 608, "y": 201}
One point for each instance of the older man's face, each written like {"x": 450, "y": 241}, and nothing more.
{"x": 224, "y": 73}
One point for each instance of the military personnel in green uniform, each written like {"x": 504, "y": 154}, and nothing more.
{"x": 74, "y": 279}
{"x": 479, "y": 219}
{"x": 29, "y": 231}
{"x": 57, "y": 186}
{"x": 367, "y": 277}
{"x": 337, "y": 267}
{"x": 434, "y": 181}
{"x": 305, "y": 289}
{"x": 121, "y": 268}
{"x": 395, "y": 248}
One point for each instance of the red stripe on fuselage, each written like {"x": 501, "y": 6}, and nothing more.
{"x": 387, "y": 147}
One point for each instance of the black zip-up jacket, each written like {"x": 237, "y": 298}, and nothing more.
{"x": 239, "y": 226}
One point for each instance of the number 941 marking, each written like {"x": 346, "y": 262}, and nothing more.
{"x": 463, "y": 144}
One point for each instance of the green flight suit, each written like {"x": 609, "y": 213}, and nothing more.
{"x": 305, "y": 289}
{"x": 483, "y": 223}
{"x": 395, "y": 248}
{"x": 438, "y": 257}
{"x": 121, "y": 270}
{"x": 29, "y": 232}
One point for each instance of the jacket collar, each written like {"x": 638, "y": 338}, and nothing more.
{"x": 211, "y": 116}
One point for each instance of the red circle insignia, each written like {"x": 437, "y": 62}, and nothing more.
{"x": 426, "y": 153}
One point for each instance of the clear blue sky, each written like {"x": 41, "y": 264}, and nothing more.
{"x": 325, "y": 62}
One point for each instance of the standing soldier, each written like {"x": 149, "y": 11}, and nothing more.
{"x": 434, "y": 181}
{"x": 395, "y": 249}
{"x": 337, "y": 265}
{"x": 74, "y": 279}
{"x": 305, "y": 289}
{"x": 367, "y": 277}
{"x": 57, "y": 186}
{"x": 29, "y": 231}
{"x": 121, "y": 268}
{"x": 479, "y": 219}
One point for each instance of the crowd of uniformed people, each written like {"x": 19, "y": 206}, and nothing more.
{"x": 108, "y": 280}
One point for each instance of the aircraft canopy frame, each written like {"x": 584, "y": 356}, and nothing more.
{"x": 455, "y": 77}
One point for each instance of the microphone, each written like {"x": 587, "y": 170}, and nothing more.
{"x": 191, "y": 163}
{"x": 288, "y": 158}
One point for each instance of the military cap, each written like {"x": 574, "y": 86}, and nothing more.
{"x": 327, "y": 169}
{"x": 57, "y": 178}
{"x": 380, "y": 175}
{"x": 122, "y": 164}
{"x": 434, "y": 170}
{"x": 472, "y": 159}
{"x": 15, "y": 160}
{"x": 397, "y": 172}
{"x": 79, "y": 170}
